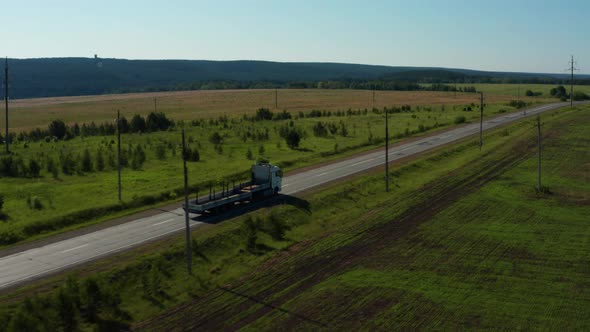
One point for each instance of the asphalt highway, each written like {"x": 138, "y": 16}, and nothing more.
{"x": 39, "y": 262}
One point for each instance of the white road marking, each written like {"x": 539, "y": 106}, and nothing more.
{"x": 87, "y": 258}
{"x": 364, "y": 161}
{"x": 128, "y": 226}
{"x": 322, "y": 174}
{"x": 161, "y": 222}
{"x": 78, "y": 247}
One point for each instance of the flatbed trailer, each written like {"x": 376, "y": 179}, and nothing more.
{"x": 266, "y": 181}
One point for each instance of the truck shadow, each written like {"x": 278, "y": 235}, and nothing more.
{"x": 241, "y": 209}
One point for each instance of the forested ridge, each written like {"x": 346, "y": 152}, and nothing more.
{"x": 50, "y": 77}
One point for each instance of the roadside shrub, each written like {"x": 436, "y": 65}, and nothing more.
{"x": 100, "y": 163}
{"x": 275, "y": 227}
{"x": 460, "y": 119}
{"x": 9, "y": 166}
{"x": 192, "y": 155}
{"x": 284, "y": 115}
{"x": 1, "y": 202}
{"x": 86, "y": 164}
{"x": 34, "y": 168}
{"x": 215, "y": 138}
{"x": 158, "y": 121}
{"x": 68, "y": 164}
{"x": 138, "y": 124}
{"x": 293, "y": 139}
{"x": 34, "y": 203}
{"x": 263, "y": 114}
{"x": 320, "y": 130}
{"x": 58, "y": 129}
{"x": 559, "y": 92}
{"x": 250, "y": 230}
{"x": 161, "y": 152}
{"x": 249, "y": 154}
{"x": 579, "y": 96}
{"x": 517, "y": 104}
{"x": 138, "y": 158}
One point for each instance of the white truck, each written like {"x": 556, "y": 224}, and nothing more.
{"x": 265, "y": 181}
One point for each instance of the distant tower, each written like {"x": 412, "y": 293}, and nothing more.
{"x": 97, "y": 61}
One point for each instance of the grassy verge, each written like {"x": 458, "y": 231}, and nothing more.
{"x": 46, "y": 205}
{"x": 252, "y": 248}
{"x": 479, "y": 248}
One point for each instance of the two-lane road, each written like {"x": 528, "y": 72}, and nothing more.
{"x": 38, "y": 262}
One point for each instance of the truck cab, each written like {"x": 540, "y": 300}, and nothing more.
{"x": 265, "y": 173}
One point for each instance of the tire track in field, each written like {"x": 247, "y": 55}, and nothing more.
{"x": 256, "y": 296}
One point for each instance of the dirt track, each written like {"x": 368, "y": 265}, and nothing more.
{"x": 235, "y": 306}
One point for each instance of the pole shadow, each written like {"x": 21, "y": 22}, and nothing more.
{"x": 273, "y": 307}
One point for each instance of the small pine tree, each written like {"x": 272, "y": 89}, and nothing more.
{"x": 161, "y": 152}
{"x": 86, "y": 165}
{"x": 249, "y": 154}
{"x": 65, "y": 304}
{"x": 91, "y": 299}
{"x": 250, "y": 230}
{"x": 100, "y": 163}
{"x": 34, "y": 168}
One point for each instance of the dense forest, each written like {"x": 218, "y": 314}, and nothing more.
{"x": 49, "y": 77}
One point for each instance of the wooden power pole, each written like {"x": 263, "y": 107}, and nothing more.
{"x": 480, "y": 120}
{"x": 539, "y": 185}
{"x": 186, "y": 216}
{"x": 386, "y": 151}
{"x": 119, "y": 153}
{"x": 6, "y": 138}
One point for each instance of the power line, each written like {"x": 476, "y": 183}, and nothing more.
{"x": 7, "y": 138}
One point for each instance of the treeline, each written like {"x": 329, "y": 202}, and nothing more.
{"x": 59, "y": 130}
{"x": 68, "y": 162}
{"x": 384, "y": 85}
{"x": 71, "y": 307}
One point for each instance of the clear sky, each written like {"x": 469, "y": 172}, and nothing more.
{"x": 517, "y": 35}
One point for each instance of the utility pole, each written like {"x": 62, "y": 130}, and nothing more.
{"x": 155, "y": 104}
{"x": 480, "y": 120}
{"x": 572, "y": 68}
{"x": 119, "y": 152}
{"x": 186, "y": 216}
{"x": 386, "y": 151}
{"x": 6, "y": 138}
{"x": 276, "y": 98}
{"x": 539, "y": 149}
{"x": 373, "y": 96}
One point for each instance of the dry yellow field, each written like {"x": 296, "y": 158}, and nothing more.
{"x": 183, "y": 105}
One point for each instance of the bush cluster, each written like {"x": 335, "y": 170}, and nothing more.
{"x": 66, "y": 309}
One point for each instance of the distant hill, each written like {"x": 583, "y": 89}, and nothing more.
{"x": 48, "y": 77}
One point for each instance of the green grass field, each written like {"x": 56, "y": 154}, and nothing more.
{"x": 514, "y": 89}
{"x": 83, "y": 198}
{"x": 463, "y": 241}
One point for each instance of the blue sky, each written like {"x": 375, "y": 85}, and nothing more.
{"x": 533, "y": 36}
